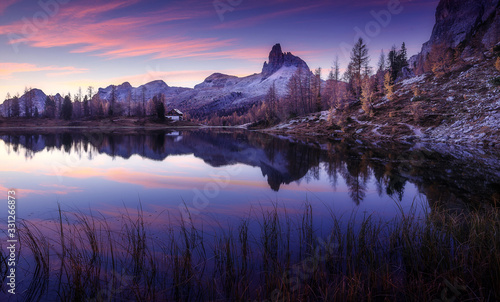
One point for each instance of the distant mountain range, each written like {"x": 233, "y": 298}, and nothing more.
{"x": 469, "y": 27}
{"x": 217, "y": 92}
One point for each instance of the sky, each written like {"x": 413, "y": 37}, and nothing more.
{"x": 61, "y": 45}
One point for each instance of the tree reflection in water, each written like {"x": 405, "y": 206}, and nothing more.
{"x": 442, "y": 176}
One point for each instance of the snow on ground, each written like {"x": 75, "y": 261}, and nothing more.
{"x": 415, "y": 129}
{"x": 413, "y": 80}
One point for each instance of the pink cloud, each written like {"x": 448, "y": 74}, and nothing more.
{"x": 5, "y": 4}
{"x": 8, "y": 68}
{"x": 152, "y": 180}
{"x": 23, "y": 193}
{"x": 83, "y": 27}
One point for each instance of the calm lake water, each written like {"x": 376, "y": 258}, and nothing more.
{"x": 219, "y": 178}
{"x": 225, "y": 174}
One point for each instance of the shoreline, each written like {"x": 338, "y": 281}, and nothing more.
{"x": 312, "y": 128}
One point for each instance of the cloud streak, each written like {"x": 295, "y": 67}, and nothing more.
{"x": 247, "y": 22}
{"x": 5, "y": 4}
{"x": 7, "y": 69}
{"x": 89, "y": 29}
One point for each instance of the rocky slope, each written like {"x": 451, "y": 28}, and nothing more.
{"x": 461, "y": 107}
{"x": 469, "y": 27}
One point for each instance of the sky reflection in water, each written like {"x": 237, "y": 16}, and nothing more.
{"x": 219, "y": 175}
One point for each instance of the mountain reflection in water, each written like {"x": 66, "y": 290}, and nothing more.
{"x": 449, "y": 178}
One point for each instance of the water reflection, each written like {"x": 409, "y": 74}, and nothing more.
{"x": 449, "y": 177}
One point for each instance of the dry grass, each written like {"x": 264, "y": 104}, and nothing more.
{"x": 445, "y": 256}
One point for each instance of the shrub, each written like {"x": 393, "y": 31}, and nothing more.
{"x": 495, "y": 81}
{"x": 496, "y": 50}
{"x": 419, "y": 98}
{"x": 440, "y": 59}
{"x": 417, "y": 111}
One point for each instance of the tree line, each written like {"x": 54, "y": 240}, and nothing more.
{"x": 87, "y": 105}
{"x": 308, "y": 93}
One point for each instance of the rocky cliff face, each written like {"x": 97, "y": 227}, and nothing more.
{"x": 467, "y": 26}
{"x": 278, "y": 59}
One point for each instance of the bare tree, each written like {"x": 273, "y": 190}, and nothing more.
{"x": 28, "y": 102}
{"x": 90, "y": 91}
{"x": 270, "y": 104}
{"x": 129, "y": 103}
{"x": 8, "y": 102}
{"x": 111, "y": 108}
{"x": 143, "y": 100}
{"x": 318, "y": 106}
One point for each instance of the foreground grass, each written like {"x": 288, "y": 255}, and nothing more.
{"x": 444, "y": 257}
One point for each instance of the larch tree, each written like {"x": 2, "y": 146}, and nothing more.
{"x": 496, "y": 51}
{"x": 367, "y": 95}
{"x": 440, "y": 59}
{"x": 359, "y": 65}
{"x": 388, "y": 86}
{"x": 381, "y": 67}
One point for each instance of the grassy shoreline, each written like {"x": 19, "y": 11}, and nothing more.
{"x": 443, "y": 257}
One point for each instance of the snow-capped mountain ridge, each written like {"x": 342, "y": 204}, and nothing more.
{"x": 218, "y": 91}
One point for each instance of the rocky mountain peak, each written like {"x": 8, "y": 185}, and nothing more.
{"x": 278, "y": 59}
{"x": 469, "y": 26}
{"x": 157, "y": 83}
{"x": 125, "y": 85}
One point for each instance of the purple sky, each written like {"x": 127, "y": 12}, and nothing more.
{"x": 60, "y": 45}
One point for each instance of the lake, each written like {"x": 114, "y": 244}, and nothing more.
{"x": 216, "y": 178}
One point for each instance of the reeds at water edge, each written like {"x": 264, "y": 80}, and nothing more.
{"x": 270, "y": 256}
